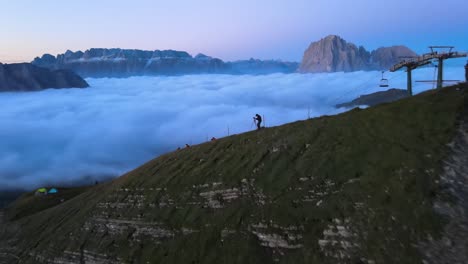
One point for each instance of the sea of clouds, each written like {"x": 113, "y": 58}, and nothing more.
{"x": 70, "y": 136}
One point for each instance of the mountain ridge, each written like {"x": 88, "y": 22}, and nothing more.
{"x": 101, "y": 62}
{"x": 29, "y": 77}
{"x": 356, "y": 187}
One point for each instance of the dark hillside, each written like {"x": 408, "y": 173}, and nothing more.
{"x": 354, "y": 188}
{"x": 8, "y": 196}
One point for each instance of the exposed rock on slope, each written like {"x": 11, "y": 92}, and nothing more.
{"x": 354, "y": 188}
{"x": 28, "y": 77}
{"x": 376, "y": 98}
{"x": 333, "y": 53}
{"x": 125, "y": 63}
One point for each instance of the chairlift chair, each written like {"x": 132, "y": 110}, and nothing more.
{"x": 383, "y": 81}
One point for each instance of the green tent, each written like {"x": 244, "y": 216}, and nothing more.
{"x": 42, "y": 190}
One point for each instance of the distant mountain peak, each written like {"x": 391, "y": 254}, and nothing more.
{"x": 333, "y": 53}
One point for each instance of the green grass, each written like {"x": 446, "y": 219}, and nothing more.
{"x": 374, "y": 168}
{"x": 29, "y": 203}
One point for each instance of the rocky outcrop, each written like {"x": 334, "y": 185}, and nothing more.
{"x": 333, "y": 54}
{"x": 29, "y": 77}
{"x": 376, "y": 98}
{"x": 126, "y": 62}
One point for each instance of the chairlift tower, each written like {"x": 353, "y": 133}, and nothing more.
{"x": 410, "y": 63}
{"x": 439, "y": 53}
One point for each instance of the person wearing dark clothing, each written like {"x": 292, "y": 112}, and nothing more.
{"x": 258, "y": 120}
{"x": 466, "y": 72}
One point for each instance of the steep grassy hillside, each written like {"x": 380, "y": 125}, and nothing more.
{"x": 354, "y": 188}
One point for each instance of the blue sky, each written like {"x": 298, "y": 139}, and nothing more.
{"x": 230, "y": 30}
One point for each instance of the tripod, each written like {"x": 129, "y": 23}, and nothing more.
{"x": 253, "y": 123}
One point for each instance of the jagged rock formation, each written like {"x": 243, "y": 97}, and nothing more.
{"x": 376, "y": 98}
{"x": 359, "y": 187}
{"x": 125, "y": 63}
{"x": 28, "y": 77}
{"x": 332, "y": 54}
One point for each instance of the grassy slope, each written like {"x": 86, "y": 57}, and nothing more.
{"x": 374, "y": 170}
{"x": 29, "y": 204}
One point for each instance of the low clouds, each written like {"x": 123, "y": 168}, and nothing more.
{"x": 68, "y": 136}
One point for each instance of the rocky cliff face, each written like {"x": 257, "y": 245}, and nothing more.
{"x": 332, "y": 54}
{"x": 28, "y": 77}
{"x": 125, "y": 63}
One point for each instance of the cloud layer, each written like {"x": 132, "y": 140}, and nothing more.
{"x": 68, "y": 136}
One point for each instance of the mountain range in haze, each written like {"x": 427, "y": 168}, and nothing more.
{"x": 329, "y": 54}
{"x": 128, "y": 62}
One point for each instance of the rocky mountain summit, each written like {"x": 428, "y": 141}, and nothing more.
{"x": 332, "y": 54}
{"x": 385, "y": 184}
{"x": 29, "y": 77}
{"x": 126, "y": 62}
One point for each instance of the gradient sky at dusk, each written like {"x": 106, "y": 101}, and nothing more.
{"x": 230, "y": 30}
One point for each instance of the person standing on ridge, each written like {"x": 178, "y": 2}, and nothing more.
{"x": 466, "y": 72}
{"x": 258, "y": 120}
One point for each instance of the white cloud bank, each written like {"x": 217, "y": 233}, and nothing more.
{"x": 74, "y": 135}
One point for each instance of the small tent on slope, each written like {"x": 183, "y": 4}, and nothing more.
{"x": 53, "y": 190}
{"x": 41, "y": 191}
